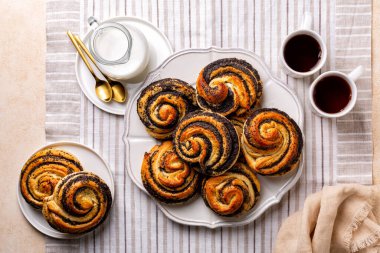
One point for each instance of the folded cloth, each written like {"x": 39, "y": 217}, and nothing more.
{"x": 342, "y": 218}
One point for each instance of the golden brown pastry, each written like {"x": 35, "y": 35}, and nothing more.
{"x": 272, "y": 142}
{"x": 163, "y": 104}
{"x": 208, "y": 139}
{"x": 167, "y": 177}
{"x": 42, "y": 172}
{"x": 80, "y": 202}
{"x": 228, "y": 86}
{"x": 235, "y": 192}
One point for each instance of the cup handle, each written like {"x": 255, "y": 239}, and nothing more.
{"x": 356, "y": 73}
{"x": 306, "y": 22}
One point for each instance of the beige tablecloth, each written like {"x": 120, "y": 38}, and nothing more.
{"x": 336, "y": 151}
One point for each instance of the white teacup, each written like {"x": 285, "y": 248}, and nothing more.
{"x": 305, "y": 29}
{"x": 349, "y": 79}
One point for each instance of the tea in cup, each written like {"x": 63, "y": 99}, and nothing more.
{"x": 303, "y": 52}
{"x": 333, "y": 94}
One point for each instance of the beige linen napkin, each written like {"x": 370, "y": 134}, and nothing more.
{"x": 341, "y": 218}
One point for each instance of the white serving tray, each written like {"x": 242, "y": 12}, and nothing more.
{"x": 186, "y": 65}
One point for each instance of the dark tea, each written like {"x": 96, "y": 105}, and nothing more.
{"x": 332, "y": 94}
{"x": 302, "y": 53}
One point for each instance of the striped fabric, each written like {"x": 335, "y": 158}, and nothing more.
{"x": 336, "y": 150}
{"x": 354, "y": 131}
{"x": 63, "y": 96}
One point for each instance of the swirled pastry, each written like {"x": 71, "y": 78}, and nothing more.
{"x": 163, "y": 104}
{"x": 235, "y": 192}
{"x": 42, "y": 171}
{"x": 167, "y": 177}
{"x": 228, "y": 86}
{"x": 80, "y": 202}
{"x": 207, "y": 139}
{"x": 272, "y": 142}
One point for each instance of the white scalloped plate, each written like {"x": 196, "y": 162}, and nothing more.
{"x": 91, "y": 161}
{"x": 186, "y": 65}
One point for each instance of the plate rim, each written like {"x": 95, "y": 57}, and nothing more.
{"x": 58, "y": 234}
{"x": 275, "y": 199}
{"x": 85, "y": 38}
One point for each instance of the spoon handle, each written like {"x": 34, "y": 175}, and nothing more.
{"x": 85, "y": 49}
{"x": 81, "y": 53}
{"x": 83, "y": 46}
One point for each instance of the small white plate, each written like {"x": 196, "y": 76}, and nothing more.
{"x": 159, "y": 50}
{"x": 90, "y": 161}
{"x": 186, "y": 65}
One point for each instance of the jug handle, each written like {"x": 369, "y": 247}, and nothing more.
{"x": 93, "y": 22}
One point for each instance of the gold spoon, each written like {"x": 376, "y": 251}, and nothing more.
{"x": 102, "y": 88}
{"x": 118, "y": 92}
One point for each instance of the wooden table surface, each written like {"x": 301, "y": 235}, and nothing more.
{"x": 22, "y": 109}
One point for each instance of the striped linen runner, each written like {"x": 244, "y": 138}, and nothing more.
{"x": 337, "y": 151}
